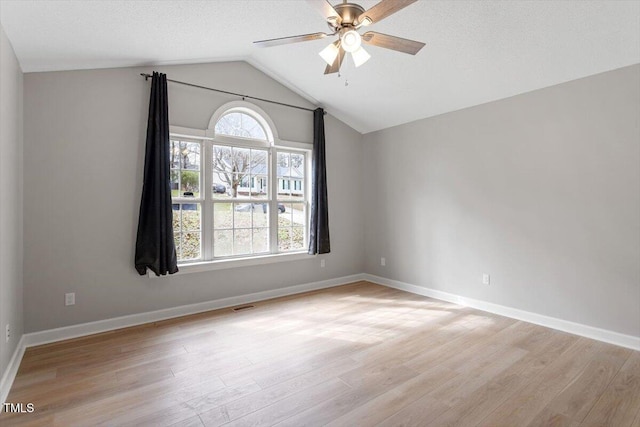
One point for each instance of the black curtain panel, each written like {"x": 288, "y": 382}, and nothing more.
{"x": 319, "y": 229}
{"x": 155, "y": 248}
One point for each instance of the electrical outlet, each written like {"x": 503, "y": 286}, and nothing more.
{"x": 383, "y": 261}
{"x": 70, "y": 298}
{"x": 486, "y": 279}
{"x": 322, "y": 263}
{"x": 7, "y": 332}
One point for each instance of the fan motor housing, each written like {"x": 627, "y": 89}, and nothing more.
{"x": 349, "y": 12}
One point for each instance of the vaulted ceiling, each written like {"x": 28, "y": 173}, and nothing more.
{"x": 476, "y": 51}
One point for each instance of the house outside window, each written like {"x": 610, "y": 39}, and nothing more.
{"x": 238, "y": 191}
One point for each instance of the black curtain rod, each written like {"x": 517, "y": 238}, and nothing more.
{"x": 147, "y": 76}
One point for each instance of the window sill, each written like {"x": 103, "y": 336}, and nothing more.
{"x": 198, "y": 267}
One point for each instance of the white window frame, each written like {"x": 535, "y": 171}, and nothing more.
{"x": 207, "y": 138}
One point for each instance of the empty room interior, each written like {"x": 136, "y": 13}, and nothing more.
{"x": 312, "y": 212}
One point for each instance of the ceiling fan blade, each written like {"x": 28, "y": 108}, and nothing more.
{"x": 335, "y": 67}
{"x": 288, "y": 40}
{"x": 392, "y": 42}
{"x": 381, "y": 10}
{"x": 325, "y": 9}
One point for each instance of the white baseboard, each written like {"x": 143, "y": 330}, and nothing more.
{"x": 80, "y": 330}
{"x": 11, "y": 371}
{"x": 622, "y": 340}
{"x": 75, "y": 331}
{"x": 83, "y": 329}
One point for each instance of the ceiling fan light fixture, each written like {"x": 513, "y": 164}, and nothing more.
{"x": 365, "y": 22}
{"x": 329, "y": 53}
{"x": 351, "y": 40}
{"x": 360, "y": 56}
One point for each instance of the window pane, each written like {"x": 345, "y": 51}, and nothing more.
{"x": 242, "y": 214}
{"x": 191, "y": 217}
{"x": 190, "y": 155}
{"x": 297, "y": 238}
{"x": 220, "y": 187}
{"x": 176, "y": 217}
{"x": 298, "y": 214}
{"x": 252, "y": 127}
{"x": 186, "y": 217}
{"x": 297, "y": 165}
{"x": 186, "y": 230}
{"x": 185, "y": 169}
{"x": 175, "y": 183}
{"x": 259, "y": 165}
{"x": 284, "y": 239}
{"x": 222, "y": 215}
{"x": 177, "y": 237}
{"x": 242, "y": 242}
{"x": 174, "y": 155}
{"x": 240, "y": 124}
{"x": 294, "y": 214}
{"x": 297, "y": 192}
{"x": 261, "y": 215}
{"x": 260, "y": 240}
{"x": 259, "y": 170}
{"x": 190, "y": 183}
{"x": 260, "y": 188}
{"x": 284, "y": 188}
{"x": 241, "y": 158}
{"x": 222, "y": 167}
{"x": 237, "y": 190}
{"x": 190, "y": 246}
{"x": 285, "y": 218}
{"x": 222, "y": 243}
{"x": 227, "y": 124}
{"x": 222, "y": 158}
{"x": 284, "y": 160}
{"x": 292, "y": 227}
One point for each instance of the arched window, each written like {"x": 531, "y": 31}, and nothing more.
{"x": 243, "y": 195}
{"x": 240, "y": 124}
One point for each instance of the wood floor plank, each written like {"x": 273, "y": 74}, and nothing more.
{"x": 620, "y": 402}
{"x": 496, "y": 391}
{"x": 576, "y": 400}
{"x": 263, "y": 398}
{"x": 365, "y": 384}
{"x": 189, "y": 422}
{"x": 417, "y": 414}
{"x": 394, "y": 400}
{"x": 354, "y": 355}
{"x": 524, "y": 406}
{"x": 290, "y": 406}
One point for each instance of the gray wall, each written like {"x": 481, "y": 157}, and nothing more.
{"x": 541, "y": 190}
{"x": 84, "y": 142}
{"x": 10, "y": 200}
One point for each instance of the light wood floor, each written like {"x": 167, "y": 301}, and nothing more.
{"x": 355, "y": 355}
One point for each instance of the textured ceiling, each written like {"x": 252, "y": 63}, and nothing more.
{"x": 476, "y": 52}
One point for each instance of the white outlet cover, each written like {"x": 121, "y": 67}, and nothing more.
{"x": 70, "y": 298}
{"x": 383, "y": 261}
{"x": 322, "y": 263}
{"x": 486, "y": 279}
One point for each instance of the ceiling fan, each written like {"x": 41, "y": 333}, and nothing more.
{"x": 344, "y": 20}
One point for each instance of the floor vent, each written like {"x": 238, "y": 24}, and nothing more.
{"x": 244, "y": 307}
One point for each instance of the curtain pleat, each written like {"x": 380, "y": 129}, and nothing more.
{"x": 319, "y": 227}
{"x": 155, "y": 247}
